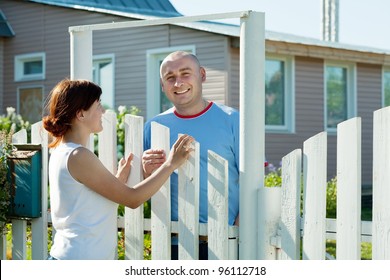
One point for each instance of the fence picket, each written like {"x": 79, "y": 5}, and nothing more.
{"x": 291, "y": 201}
{"x": 39, "y": 225}
{"x": 381, "y": 190}
{"x": 134, "y": 227}
{"x": 19, "y": 237}
{"x": 314, "y": 197}
{"x": 189, "y": 207}
{"x": 218, "y": 205}
{"x": 161, "y": 201}
{"x": 349, "y": 190}
{"x": 107, "y": 143}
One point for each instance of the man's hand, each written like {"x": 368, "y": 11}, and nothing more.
{"x": 151, "y": 160}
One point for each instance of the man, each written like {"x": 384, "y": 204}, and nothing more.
{"x": 215, "y": 127}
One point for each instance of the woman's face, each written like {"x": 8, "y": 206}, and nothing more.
{"x": 93, "y": 117}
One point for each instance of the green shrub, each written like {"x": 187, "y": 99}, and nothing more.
{"x": 5, "y": 186}
{"x": 9, "y": 123}
{"x": 13, "y": 122}
{"x": 273, "y": 178}
{"x": 331, "y": 198}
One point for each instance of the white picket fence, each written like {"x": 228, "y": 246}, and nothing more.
{"x": 290, "y": 228}
{"x": 222, "y": 239}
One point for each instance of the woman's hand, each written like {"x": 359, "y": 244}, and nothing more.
{"x": 124, "y": 167}
{"x": 180, "y": 150}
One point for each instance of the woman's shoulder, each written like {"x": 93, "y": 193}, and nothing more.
{"x": 82, "y": 153}
{"x": 75, "y": 152}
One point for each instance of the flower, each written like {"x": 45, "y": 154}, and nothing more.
{"x": 122, "y": 109}
{"x": 10, "y": 111}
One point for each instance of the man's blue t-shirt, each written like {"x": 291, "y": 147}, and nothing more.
{"x": 217, "y": 129}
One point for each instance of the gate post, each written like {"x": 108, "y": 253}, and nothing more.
{"x": 252, "y": 57}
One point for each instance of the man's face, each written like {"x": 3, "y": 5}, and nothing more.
{"x": 182, "y": 80}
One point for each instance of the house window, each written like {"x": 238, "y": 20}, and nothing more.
{"x": 339, "y": 94}
{"x": 29, "y": 67}
{"x": 386, "y": 87}
{"x": 279, "y": 101}
{"x": 29, "y": 103}
{"x": 156, "y": 100}
{"x": 165, "y": 103}
{"x": 103, "y": 75}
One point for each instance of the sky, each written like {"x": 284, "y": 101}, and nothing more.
{"x": 361, "y": 22}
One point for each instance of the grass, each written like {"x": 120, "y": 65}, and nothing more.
{"x": 366, "y": 247}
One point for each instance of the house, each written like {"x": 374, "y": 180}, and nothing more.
{"x": 311, "y": 85}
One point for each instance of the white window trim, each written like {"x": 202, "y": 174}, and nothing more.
{"x": 351, "y": 92}
{"x": 153, "y": 56}
{"x": 384, "y": 69}
{"x": 289, "y": 104}
{"x": 112, "y": 58}
{"x": 19, "y": 66}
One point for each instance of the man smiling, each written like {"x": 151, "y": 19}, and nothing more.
{"x": 214, "y": 126}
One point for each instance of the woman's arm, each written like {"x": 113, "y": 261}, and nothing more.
{"x": 86, "y": 168}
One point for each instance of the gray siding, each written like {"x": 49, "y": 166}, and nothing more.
{"x": 41, "y": 28}
{"x": 130, "y": 46}
{"x": 48, "y": 32}
{"x": 369, "y": 81}
{"x": 235, "y": 78}
{"x": 309, "y": 119}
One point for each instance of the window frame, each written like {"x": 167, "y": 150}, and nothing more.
{"x": 106, "y": 57}
{"x": 19, "y": 65}
{"x": 384, "y": 70}
{"x": 153, "y": 86}
{"x": 351, "y": 92}
{"x": 289, "y": 95}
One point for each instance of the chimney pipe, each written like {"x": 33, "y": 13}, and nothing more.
{"x": 330, "y": 20}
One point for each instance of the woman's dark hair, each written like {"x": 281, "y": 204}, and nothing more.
{"x": 66, "y": 99}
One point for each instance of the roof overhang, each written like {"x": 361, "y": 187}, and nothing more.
{"x": 231, "y": 30}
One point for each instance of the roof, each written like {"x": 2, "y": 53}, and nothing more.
{"x": 234, "y": 31}
{"x": 149, "y": 9}
{"x": 5, "y": 28}
{"x": 160, "y": 8}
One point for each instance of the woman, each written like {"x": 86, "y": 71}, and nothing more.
{"x": 84, "y": 195}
